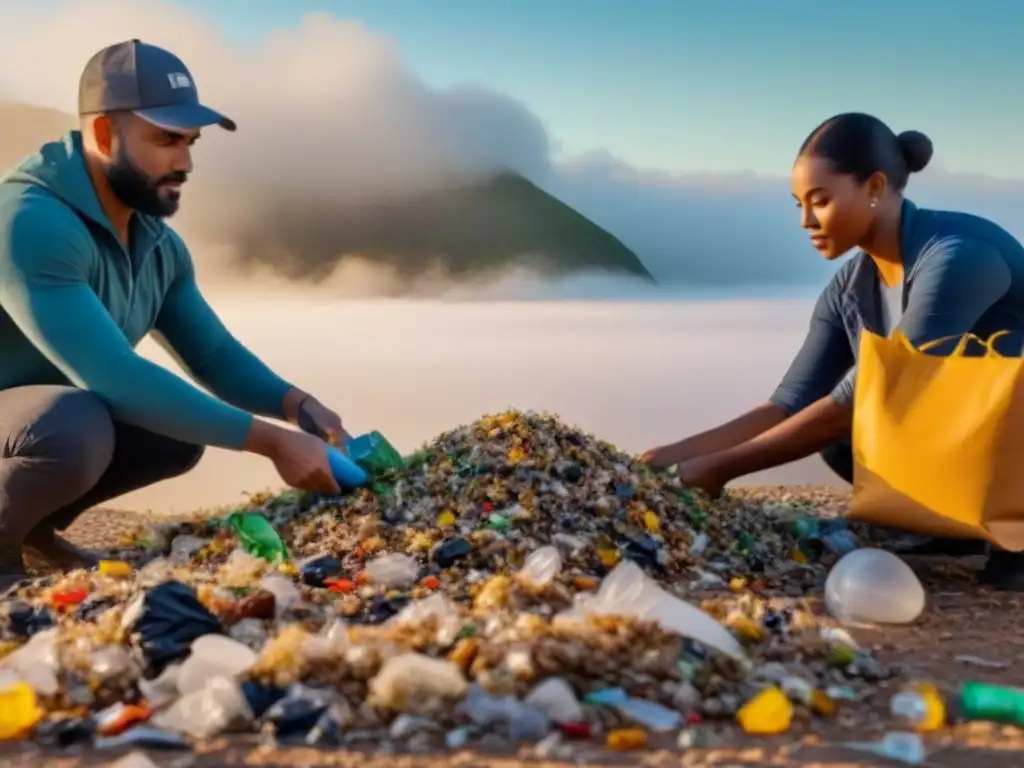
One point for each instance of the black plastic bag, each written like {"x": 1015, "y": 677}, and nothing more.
{"x": 64, "y": 732}
{"x": 261, "y": 697}
{"x": 25, "y": 620}
{"x": 448, "y": 552}
{"x": 314, "y": 572}
{"x": 296, "y": 714}
{"x": 171, "y": 619}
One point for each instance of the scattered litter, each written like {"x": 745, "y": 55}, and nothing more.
{"x": 904, "y": 747}
{"x": 977, "y": 661}
{"x": 514, "y": 580}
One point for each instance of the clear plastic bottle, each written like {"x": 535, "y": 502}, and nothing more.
{"x": 895, "y": 745}
{"x": 907, "y": 747}
{"x": 920, "y": 706}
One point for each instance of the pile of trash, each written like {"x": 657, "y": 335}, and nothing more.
{"x": 515, "y": 580}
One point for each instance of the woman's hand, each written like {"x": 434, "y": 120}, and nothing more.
{"x": 703, "y": 473}
{"x": 664, "y": 456}
{"x": 821, "y": 424}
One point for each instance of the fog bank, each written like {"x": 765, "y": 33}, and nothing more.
{"x": 635, "y": 373}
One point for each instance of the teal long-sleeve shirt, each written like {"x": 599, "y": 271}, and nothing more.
{"x": 75, "y": 302}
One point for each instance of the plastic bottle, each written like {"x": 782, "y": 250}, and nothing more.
{"x": 905, "y": 747}
{"x": 345, "y": 471}
{"x": 896, "y": 745}
{"x": 1001, "y": 704}
{"x": 361, "y": 446}
{"x": 650, "y": 714}
{"x": 257, "y": 536}
{"x": 872, "y": 585}
{"x": 921, "y": 706}
{"x": 374, "y": 453}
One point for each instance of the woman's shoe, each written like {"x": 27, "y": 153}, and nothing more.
{"x": 917, "y": 545}
{"x": 1003, "y": 570}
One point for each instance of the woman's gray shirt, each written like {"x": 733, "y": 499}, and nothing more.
{"x": 962, "y": 274}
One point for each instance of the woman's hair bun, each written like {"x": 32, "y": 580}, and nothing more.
{"x": 917, "y": 150}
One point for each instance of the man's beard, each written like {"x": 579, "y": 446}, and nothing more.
{"x": 141, "y": 193}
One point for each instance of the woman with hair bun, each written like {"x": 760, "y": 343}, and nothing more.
{"x": 928, "y": 273}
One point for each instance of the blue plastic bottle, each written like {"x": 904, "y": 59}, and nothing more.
{"x": 346, "y": 472}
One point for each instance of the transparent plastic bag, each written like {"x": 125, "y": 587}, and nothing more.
{"x": 873, "y": 586}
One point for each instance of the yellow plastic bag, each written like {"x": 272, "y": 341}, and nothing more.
{"x": 938, "y": 442}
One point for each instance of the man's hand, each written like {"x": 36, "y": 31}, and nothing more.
{"x": 301, "y": 461}
{"x": 300, "y": 458}
{"x": 312, "y": 416}
{"x": 317, "y": 419}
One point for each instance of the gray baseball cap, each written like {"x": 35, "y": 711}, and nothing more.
{"x": 153, "y": 83}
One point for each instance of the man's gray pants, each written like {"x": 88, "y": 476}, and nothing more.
{"x": 63, "y": 453}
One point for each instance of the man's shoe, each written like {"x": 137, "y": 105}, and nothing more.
{"x": 1003, "y": 570}
{"x": 12, "y": 570}
{"x": 56, "y": 551}
{"x": 9, "y": 581}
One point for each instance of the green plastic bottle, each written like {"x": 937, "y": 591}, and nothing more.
{"x": 375, "y": 454}
{"x": 257, "y": 536}
{"x": 997, "y": 703}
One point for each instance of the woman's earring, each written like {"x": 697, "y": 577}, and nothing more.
{"x": 872, "y": 203}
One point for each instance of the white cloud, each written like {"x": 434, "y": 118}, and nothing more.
{"x": 329, "y": 114}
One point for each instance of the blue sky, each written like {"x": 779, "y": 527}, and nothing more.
{"x": 710, "y": 86}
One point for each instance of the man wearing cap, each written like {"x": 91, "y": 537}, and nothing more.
{"x": 88, "y": 268}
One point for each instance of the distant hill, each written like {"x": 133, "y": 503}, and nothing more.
{"x": 466, "y": 230}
